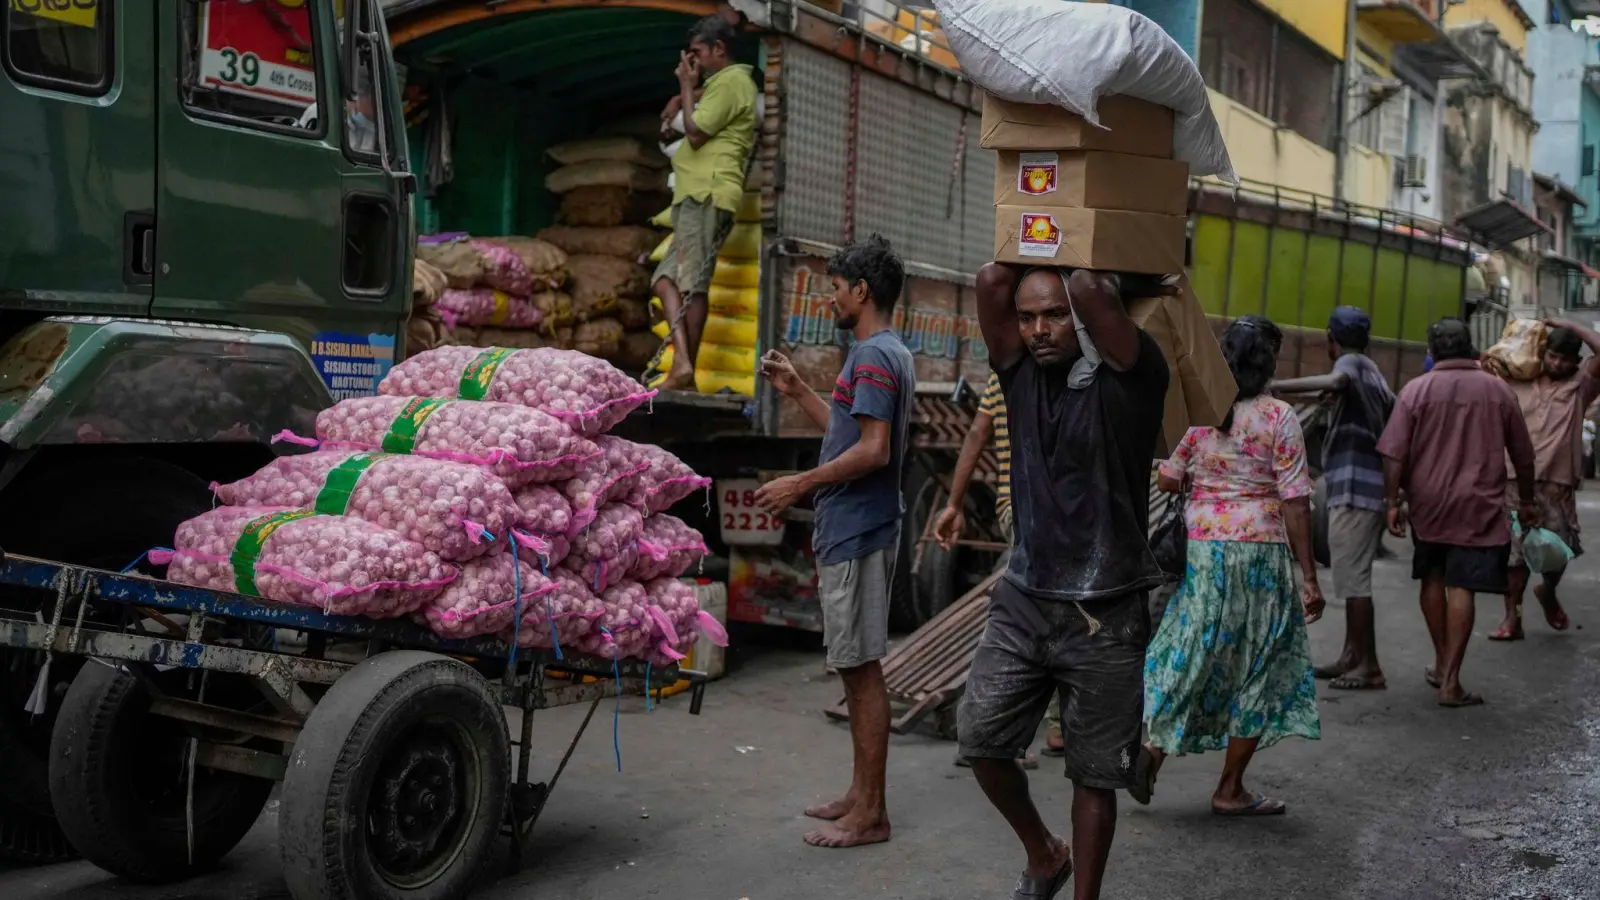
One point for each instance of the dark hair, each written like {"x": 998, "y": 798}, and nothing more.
{"x": 872, "y": 261}
{"x": 1564, "y": 341}
{"x": 1450, "y": 338}
{"x": 712, "y": 30}
{"x": 1250, "y": 345}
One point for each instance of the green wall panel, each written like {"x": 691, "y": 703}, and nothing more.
{"x": 1209, "y": 272}
{"x": 1384, "y": 304}
{"x": 1288, "y": 265}
{"x": 1355, "y": 278}
{"x": 1418, "y": 300}
{"x": 1322, "y": 282}
{"x": 1249, "y": 269}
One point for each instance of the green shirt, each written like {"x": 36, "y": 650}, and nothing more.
{"x": 726, "y": 112}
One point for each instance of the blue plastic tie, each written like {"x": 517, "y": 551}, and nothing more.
{"x": 135, "y": 564}
{"x": 516, "y": 619}
{"x": 616, "y": 712}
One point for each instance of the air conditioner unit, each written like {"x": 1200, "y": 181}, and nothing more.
{"x": 1414, "y": 173}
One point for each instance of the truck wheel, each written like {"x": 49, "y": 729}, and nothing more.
{"x": 397, "y": 786}
{"x": 28, "y": 838}
{"x": 1319, "y": 522}
{"x": 933, "y": 586}
{"x": 118, "y": 780}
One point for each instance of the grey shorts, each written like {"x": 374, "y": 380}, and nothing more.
{"x": 1032, "y": 650}
{"x": 1353, "y": 539}
{"x": 855, "y": 607}
{"x": 698, "y": 232}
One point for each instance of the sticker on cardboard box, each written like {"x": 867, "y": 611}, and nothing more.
{"x": 1038, "y": 173}
{"x": 1039, "y": 236}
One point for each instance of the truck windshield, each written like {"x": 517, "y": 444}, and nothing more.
{"x": 252, "y": 61}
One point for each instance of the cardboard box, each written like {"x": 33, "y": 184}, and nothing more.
{"x": 1131, "y": 126}
{"x": 1112, "y": 240}
{"x": 1092, "y": 178}
{"x": 1202, "y": 389}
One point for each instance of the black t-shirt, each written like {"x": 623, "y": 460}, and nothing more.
{"x": 1080, "y": 476}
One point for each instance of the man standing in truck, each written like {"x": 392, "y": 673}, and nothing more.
{"x": 859, "y": 505}
{"x": 708, "y": 182}
{"x": 1085, "y": 390}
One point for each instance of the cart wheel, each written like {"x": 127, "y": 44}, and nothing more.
{"x": 119, "y": 783}
{"x": 397, "y": 785}
{"x": 31, "y": 839}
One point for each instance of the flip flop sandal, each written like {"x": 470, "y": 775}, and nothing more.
{"x": 1431, "y": 677}
{"x": 1144, "y": 777}
{"x": 1033, "y": 887}
{"x": 1260, "y": 805}
{"x": 1352, "y": 683}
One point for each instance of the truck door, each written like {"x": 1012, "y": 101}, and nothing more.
{"x": 258, "y": 221}
{"x": 77, "y": 155}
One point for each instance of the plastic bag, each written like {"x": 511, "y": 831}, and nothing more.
{"x": 483, "y": 599}
{"x": 518, "y": 444}
{"x": 1519, "y": 354}
{"x": 1072, "y": 54}
{"x": 1543, "y": 550}
{"x": 338, "y": 564}
{"x": 589, "y": 394}
{"x": 484, "y": 306}
{"x": 629, "y": 242}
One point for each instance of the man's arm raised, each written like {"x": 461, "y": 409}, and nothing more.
{"x": 997, "y": 314}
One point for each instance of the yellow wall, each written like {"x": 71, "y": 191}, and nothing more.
{"x": 1265, "y": 153}
{"x": 1322, "y": 21}
{"x": 1382, "y": 46}
{"x": 1496, "y": 12}
{"x": 1368, "y": 179}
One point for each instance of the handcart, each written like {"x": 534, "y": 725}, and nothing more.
{"x": 391, "y": 743}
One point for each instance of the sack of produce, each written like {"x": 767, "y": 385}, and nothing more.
{"x": 518, "y": 444}
{"x": 1072, "y": 54}
{"x": 483, "y": 598}
{"x": 600, "y": 337}
{"x": 634, "y": 315}
{"x": 598, "y": 278}
{"x": 338, "y": 564}
{"x": 615, "y": 149}
{"x": 662, "y": 479}
{"x": 625, "y": 630}
{"x": 679, "y": 620}
{"x": 611, "y": 477}
{"x": 547, "y": 517}
{"x": 455, "y": 256}
{"x": 1519, "y": 354}
{"x": 428, "y": 284}
{"x": 444, "y": 506}
{"x": 503, "y": 270}
{"x": 547, "y": 263}
{"x": 630, "y": 242}
{"x": 489, "y": 336}
{"x": 567, "y": 614}
{"x": 603, "y": 206}
{"x": 606, "y": 550}
{"x": 426, "y": 330}
{"x": 611, "y": 173}
{"x": 483, "y": 306}
{"x": 589, "y": 394}
{"x": 667, "y": 547}
{"x": 555, "y": 308}
{"x": 636, "y": 350}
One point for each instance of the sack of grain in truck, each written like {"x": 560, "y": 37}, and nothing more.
{"x": 486, "y": 306}
{"x": 619, "y": 148}
{"x": 661, "y": 250}
{"x": 455, "y": 256}
{"x": 668, "y": 546}
{"x": 731, "y": 301}
{"x": 608, "y": 276}
{"x": 636, "y": 350}
{"x": 734, "y": 273}
{"x": 603, "y": 206}
{"x": 589, "y": 394}
{"x": 630, "y": 242}
{"x": 337, "y": 564}
{"x": 598, "y": 337}
{"x": 728, "y": 331}
{"x": 484, "y": 598}
{"x": 633, "y": 314}
{"x": 518, "y": 444}
{"x": 605, "y": 551}
{"x": 503, "y": 270}
{"x": 489, "y": 336}
{"x": 546, "y": 263}
{"x": 606, "y": 173}
{"x": 427, "y": 284}
{"x": 743, "y": 243}
{"x": 555, "y": 308}
{"x": 1519, "y": 354}
{"x": 444, "y": 506}
{"x": 426, "y": 330}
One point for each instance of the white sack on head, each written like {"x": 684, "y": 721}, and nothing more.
{"x": 1072, "y": 54}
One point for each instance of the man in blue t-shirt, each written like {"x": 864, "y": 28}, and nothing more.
{"x": 858, "y": 504}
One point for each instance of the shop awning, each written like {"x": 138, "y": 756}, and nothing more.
{"x": 1501, "y": 223}
{"x": 1562, "y": 261}
{"x": 1421, "y": 45}
{"x": 1563, "y": 191}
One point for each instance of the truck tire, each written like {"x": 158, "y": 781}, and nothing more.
{"x": 116, "y": 780}
{"x": 397, "y": 787}
{"x": 933, "y": 585}
{"x": 27, "y": 838}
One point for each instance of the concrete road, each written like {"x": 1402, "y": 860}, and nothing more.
{"x": 1401, "y": 799}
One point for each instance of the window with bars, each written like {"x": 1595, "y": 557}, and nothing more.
{"x": 1250, "y": 56}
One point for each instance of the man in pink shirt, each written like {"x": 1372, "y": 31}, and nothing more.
{"x": 1446, "y": 445}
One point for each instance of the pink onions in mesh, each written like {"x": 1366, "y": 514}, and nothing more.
{"x": 612, "y": 476}
{"x": 547, "y": 516}
{"x": 338, "y": 564}
{"x": 667, "y": 547}
{"x": 444, "y": 506}
{"x": 484, "y": 306}
{"x": 483, "y": 600}
{"x": 589, "y": 394}
{"x": 665, "y": 481}
{"x": 519, "y": 444}
{"x": 504, "y": 270}
{"x": 603, "y": 553}
{"x": 571, "y": 606}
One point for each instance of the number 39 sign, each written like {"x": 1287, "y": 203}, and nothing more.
{"x": 743, "y": 521}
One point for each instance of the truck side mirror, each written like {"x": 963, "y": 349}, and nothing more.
{"x": 350, "y": 69}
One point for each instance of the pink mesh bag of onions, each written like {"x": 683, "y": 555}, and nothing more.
{"x": 444, "y": 506}
{"x": 626, "y": 628}
{"x": 483, "y": 600}
{"x": 338, "y": 564}
{"x": 612, "y": 476}
{"x": 678, "y": 619}
{"x": 504, "y": 270}
{"x": 667, "y": 547}
{"x": 607, "y": 550}
{"x": 571, "y": 606}
{"x": 589, "y": 394}
{"x": 547, "y": 516}
{"x": 665, "y": 480}
{"x": 485, "y": 306}
{"x": 519, "y": 444}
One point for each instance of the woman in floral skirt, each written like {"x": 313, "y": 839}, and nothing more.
{"x": 1229, "y": 668}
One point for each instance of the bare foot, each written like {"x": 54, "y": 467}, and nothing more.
{"x": 1339, "y": 666}
{"x": 1060, "y": 855}
{"x": 829, "y": 812}
{"x": 1554, "y": 615}
{"x": 1360, "y": 680}
{"x": 851, "y": 831}
{"x": 1509, "y": 630}
{"x": 679, "y": 379}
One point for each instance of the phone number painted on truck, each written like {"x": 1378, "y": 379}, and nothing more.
{"x": 743, "y": 520}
